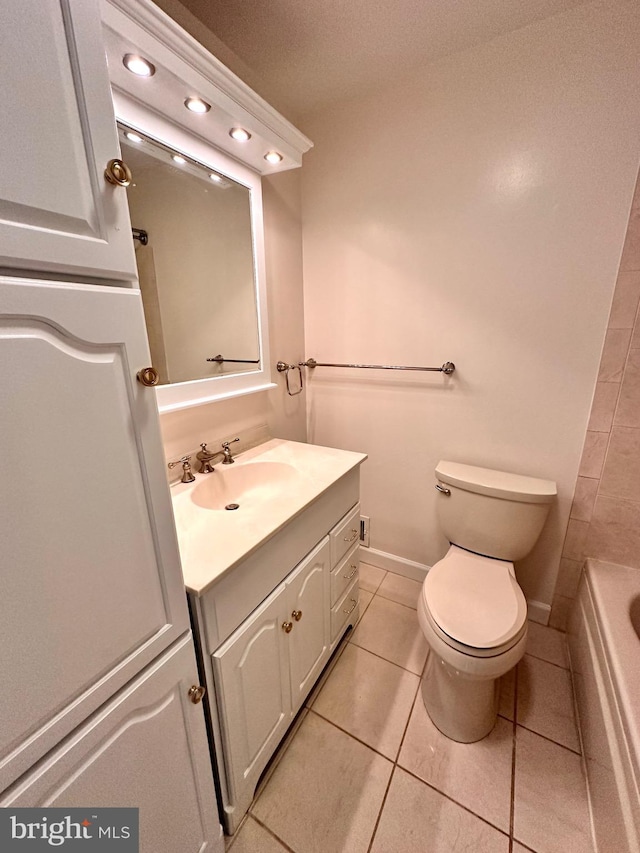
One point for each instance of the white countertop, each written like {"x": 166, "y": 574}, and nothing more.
{"x": 214, "y": 541}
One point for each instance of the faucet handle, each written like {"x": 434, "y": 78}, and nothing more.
{"x": 181, "y": 461}
{"x": 228, "y": 458}
{"x": 187, "y": 474}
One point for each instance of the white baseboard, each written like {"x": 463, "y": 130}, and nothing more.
{"x": 391, "y": 563}
{"x": 537, "y": 611}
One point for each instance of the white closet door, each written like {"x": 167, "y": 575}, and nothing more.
{"x": 308, "y": 602}
{"x": 92, "y": 588}
{"x": 57, "y": 134}
{"x": 146, "y": 749}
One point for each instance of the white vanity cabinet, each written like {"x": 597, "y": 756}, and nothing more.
{"x": 260, "y": 662}
{"x": 266, "y": 668}
{"x": 57, "y": 135}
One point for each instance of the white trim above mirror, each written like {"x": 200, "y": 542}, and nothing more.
{"x": 155, "y": 106}
{"x": 184, "y": 69}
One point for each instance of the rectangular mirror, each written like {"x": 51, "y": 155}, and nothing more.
{"x": 198, "y": 232}
{"x": 192, "y": 233}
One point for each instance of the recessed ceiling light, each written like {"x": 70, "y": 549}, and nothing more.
{"x": 178, "y": 159}
{"x": 197, "y": 105}
{"x": 138, "y": 65}
{"x": 133, "y": 137}
{"x": 273, "y": 157}
{"x": 239, "y": 134}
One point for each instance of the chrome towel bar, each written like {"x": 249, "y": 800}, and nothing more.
{"x": 220, "y": 359}
{"x": 448, "y": 367}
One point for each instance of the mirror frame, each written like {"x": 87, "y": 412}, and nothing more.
{"x": 196, "y": 392}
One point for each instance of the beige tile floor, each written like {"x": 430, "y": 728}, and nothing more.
{"x": 366, "y": 770}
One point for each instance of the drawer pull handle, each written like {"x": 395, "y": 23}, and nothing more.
{"x": 353, "y": 606}
{"x": 196, "y": 693}
{"x": 355, "y": 569}
{"x": 297, "y": 615}
{"x": 352, "y": 537}
{"x": 287, "y": 626}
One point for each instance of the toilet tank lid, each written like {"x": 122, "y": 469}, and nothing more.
{"x": 498, "y": 484}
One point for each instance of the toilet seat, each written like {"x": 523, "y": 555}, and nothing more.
{"x": 474, "y": 603}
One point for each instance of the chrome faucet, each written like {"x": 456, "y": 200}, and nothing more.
{"x": 187, "y": 473}
{"x": 205, "y": 456}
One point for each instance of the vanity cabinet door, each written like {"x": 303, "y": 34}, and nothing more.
{"x": 308, "y": 600}
{"x": 254, "y": 699}
{"x": 92, "y": 588}
{"x": 57, "y": 211}
{"x": 146, "y": 749}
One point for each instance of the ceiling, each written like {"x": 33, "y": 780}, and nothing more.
{"x": 308, "y": 53}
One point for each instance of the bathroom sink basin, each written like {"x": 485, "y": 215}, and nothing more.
{"x": 271, "y": 483}
{"x": 234, "y": 487}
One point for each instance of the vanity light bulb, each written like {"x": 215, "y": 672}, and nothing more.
{"x": 215, "y": 178}
{"x": 133, "y": 137}
{"x": 197, "y": 105}
{"x": 138, "y": 65}
{"x": 178, "y": 159}
{"x": 273, "y": 157}
{"x": 240, "y": 134}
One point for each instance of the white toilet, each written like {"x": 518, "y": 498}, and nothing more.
{"x": 471, "y": 609}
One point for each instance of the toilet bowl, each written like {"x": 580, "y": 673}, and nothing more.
{"x": 471, "y": 610}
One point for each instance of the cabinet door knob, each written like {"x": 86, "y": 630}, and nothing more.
{"x": 148, "y": 376}
{"x": 196, "y": 693}
{"x": 287, "y": 626}
{"x": 297, "y": 615}
{"x": 118, "y": 173}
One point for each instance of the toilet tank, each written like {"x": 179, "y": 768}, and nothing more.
{"x": 492, "y": 512}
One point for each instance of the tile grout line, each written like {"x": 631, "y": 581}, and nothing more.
{"x": 512, "y": 808}
{"x": 545, "y": 660}
{"x": 272, "y": 834}
{"x": 550, "y": 739}
{"x": 393, "y": 601}
{"x": 455, "y": 802}
{"x": 386, "y": 660}
{"x": 393, "y": 769}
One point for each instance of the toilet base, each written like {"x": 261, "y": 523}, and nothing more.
{"x": 463, "y": 708}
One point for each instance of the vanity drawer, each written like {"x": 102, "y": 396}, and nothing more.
{"x": 345, "y": 611}
{"x": 344, "y": 534}
{"x": 344, "y": 573}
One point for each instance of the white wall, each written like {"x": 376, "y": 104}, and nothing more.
{"x": 285, "y": 416}
{"x": 475, "y": 212}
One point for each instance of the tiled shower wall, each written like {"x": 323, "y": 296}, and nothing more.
{"x": 605, "y": 515}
